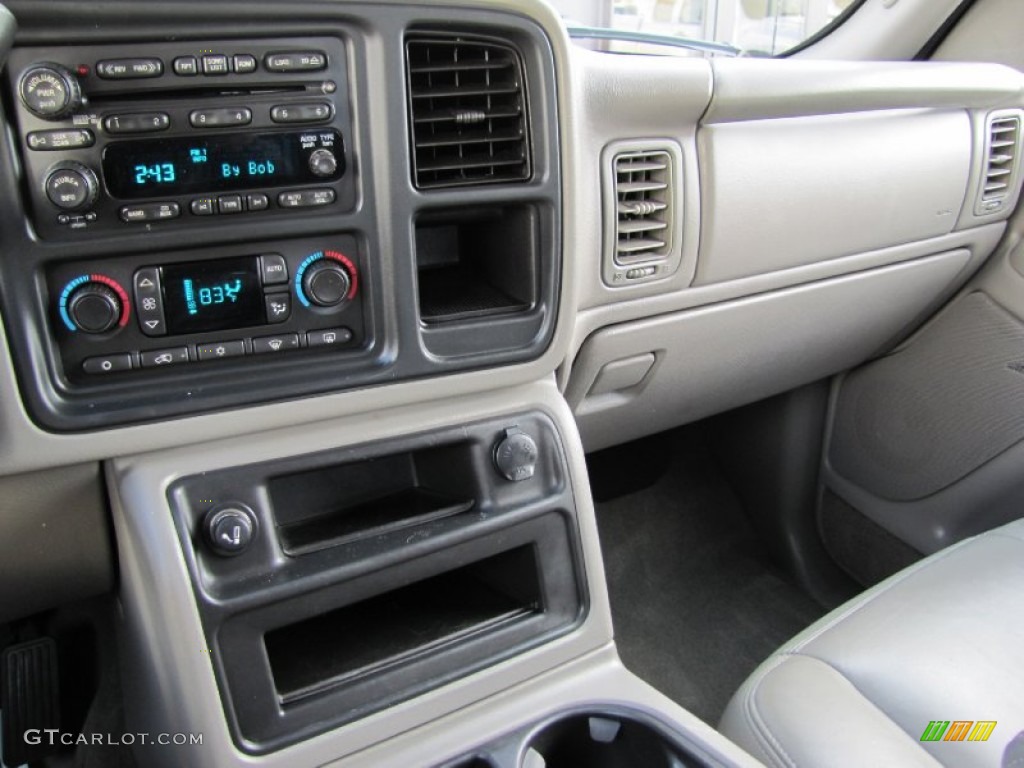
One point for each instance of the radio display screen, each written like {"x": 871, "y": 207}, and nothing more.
{"x": 212, "y": 295}
{"x": 200, "y": 164}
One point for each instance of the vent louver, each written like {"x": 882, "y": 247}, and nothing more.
{"x": 643, "y": 203}
{"x": 1001, "y": 158}
{"x": 467, "y": 106}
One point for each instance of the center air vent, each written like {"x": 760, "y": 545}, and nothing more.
{"x": 467, "y": 107}
{"x": 1002, "y": 156}
{"x": 644, "y": 184}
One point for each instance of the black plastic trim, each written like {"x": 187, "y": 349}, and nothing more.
{"x": 825, "y": 31}
{"x": 937, "y": 39}
{"x": 243, "y": 598}
{"x": 402, "y": 347}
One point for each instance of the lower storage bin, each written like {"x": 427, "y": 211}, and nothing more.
{"x": 396, "y": 627}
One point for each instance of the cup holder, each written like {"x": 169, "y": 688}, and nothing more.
{"x": 472, "y": 762}
{"x": 603, "y": 741}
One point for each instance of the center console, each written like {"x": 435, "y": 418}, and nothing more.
{"x": 210, "y": 221}
{"x": 338, "y": 584}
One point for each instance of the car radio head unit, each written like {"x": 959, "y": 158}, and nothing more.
{"x": 113, "y": 139}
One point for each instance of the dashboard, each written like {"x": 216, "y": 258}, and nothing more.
{"x": 317, "y": 313}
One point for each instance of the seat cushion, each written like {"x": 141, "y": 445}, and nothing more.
{"x": 940, "y": 641}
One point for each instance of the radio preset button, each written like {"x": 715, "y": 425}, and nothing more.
{"x": 186, "y": 66}
{"x": 220, "y": 117}
{"x": 51, "y": 140}
{"x": 274, "y": 269}
{"x": 107, "y": 363}
{"x": 328, "y": 337}
{"x": 295, "y": 61}
{"x": 244, "y": 63}
{"x": 141, "y": 122}
{"x": 150, "y": 212}
{"x": 269, "y": 344}
{"x": 279, "y": 307}
{"x": 257, "y": 201}
{"x": 221, "y": 350}
{"x": 305, "y": 198}
{"x": 229, "y": 204}
{"x": 158, "y": 358}
{"x": 129, "y": 69}
{"x": 202, "y": 206}
{"x": 316, "y": 112}
{"x": 215, "y": 64}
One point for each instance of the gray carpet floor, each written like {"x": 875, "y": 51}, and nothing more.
{"x": 695, "y": 605}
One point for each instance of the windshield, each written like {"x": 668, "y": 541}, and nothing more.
{"x": 756, "y": 27}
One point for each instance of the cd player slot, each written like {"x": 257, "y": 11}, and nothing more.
{"x": 200, "y": 92}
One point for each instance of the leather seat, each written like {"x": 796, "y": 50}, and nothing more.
{"x": 940, "y": 641}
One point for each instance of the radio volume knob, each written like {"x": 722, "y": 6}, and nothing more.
{"x": 326, "y": 283}
{"x": 50, "y": 91}
{"x": 72, "y": 186}
{"x": 322, "y": 162}
{"x": 94, "y": 308}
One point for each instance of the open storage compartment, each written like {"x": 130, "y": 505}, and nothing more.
{"x": 344, "y": 649}
{"x": 345, "y": 502}
{"x": 399, "y": 625}
{"x": 477, "y": 262}
{"x": 379, "y": 572}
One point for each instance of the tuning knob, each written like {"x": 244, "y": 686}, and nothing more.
{"x": 323, "y": 162}
{"x": 72, "y": 186}
{"x": 327, "y": 283}
{"x": 94, "y": 308}
{"x": 50, "y": 91}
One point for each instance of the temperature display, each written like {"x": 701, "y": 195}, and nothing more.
{"x": 212, "y": 295}
{"x": 184, "y": 165}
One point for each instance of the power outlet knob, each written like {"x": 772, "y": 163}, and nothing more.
{"x": 230, "y": 529}
{"x": 515, "y": 455}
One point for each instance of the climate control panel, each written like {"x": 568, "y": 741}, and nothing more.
{"x": 135, "y": 315}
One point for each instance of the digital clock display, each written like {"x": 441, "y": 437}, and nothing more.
{"x": 185, "y": 165}
{"x": 212, "y": 295}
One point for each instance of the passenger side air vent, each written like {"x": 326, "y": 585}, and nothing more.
{"x": 1002, "y": 162}
{"x": 645, "y": 191}
{"x": 467, "y": 106}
